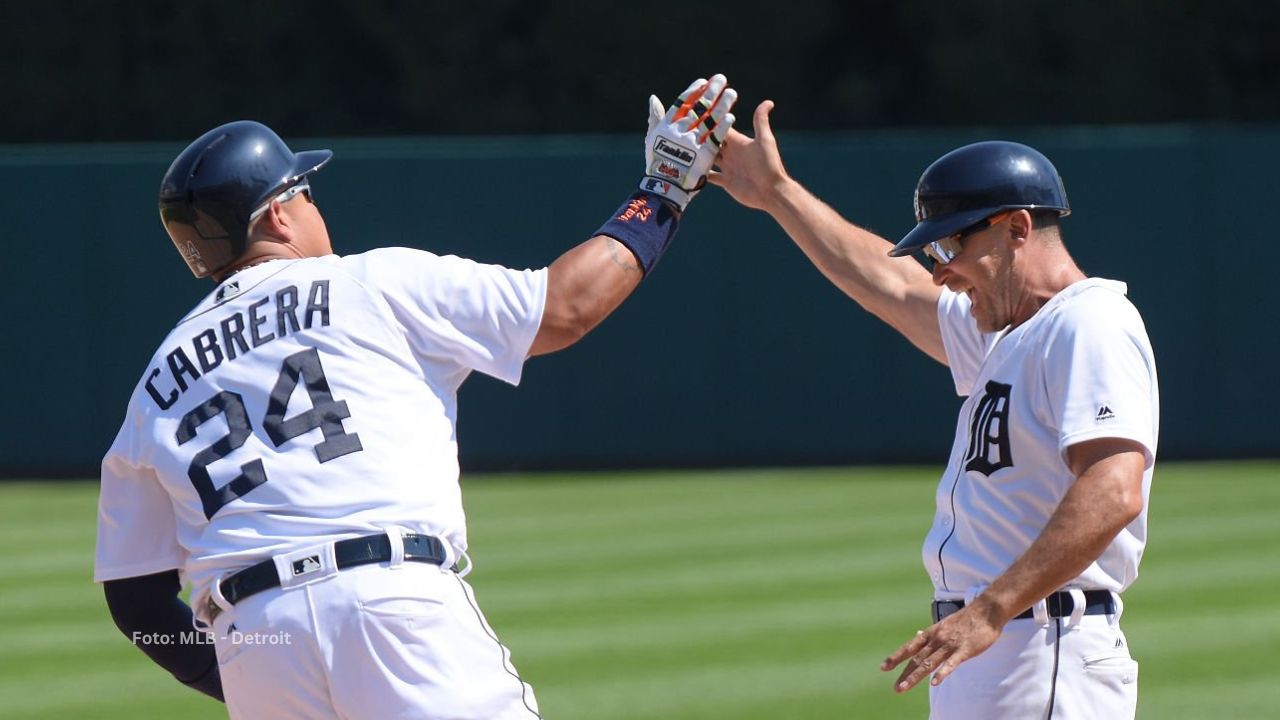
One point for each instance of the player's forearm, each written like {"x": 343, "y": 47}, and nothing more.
{"x": 148, "y": 611}
{"x": 584, "y": 286}
{"x": 897, "y": 290}
{"x": 853, "y": 259}
{"x": 845, "y": 254}
{"x": 1102, "y": 501}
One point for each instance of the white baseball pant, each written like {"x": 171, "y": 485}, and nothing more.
{"x": 375, "y": 641}
{"x": 1063, "y": 670}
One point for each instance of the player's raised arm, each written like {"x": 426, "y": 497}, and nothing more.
{"x": 589, "y": 281}
{"x": 895, "y": 289}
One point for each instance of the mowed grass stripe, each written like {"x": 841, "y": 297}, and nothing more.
{"x": 744, "y": 594}
{"x": 711, "y": 541}
{"x": 1248, "y": 693}
{"x": 761, "y": 684}
{"x": 657, "y": 508}
{"x": 693, "y": 573}
{"x": 124, "y": 691}
{"x": 1205, "y": 636}
{"x": 1199, "y": 575}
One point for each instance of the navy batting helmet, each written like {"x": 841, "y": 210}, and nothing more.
{"x": 214, "y": 185}
{"x": 974, "y": 182}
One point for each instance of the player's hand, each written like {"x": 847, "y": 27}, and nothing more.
{"x": 683, "y": 141}
{"x": 750, "y": 169}
{"x": 940, "y": 648}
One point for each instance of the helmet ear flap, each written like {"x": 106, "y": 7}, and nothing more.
{"x": 199, "y": 239}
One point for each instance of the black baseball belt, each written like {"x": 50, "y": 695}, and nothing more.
{"x": 347, "y": 553}
{"x": 1059, "y": 604}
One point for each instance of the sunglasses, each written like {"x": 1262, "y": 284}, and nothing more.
{"x": 945, "y": 250}
{"x": 284, "y": 197}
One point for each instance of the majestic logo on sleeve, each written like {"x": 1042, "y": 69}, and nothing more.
{"x": 989, "y": 431}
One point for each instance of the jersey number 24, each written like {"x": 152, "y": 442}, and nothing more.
{"x": 325, "y": 413}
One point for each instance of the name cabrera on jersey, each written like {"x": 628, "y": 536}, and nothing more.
{"x": 308, "y": 400}
{"x": 1080, "y": 369}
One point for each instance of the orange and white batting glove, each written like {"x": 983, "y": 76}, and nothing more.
{"x": 683, "y": 142}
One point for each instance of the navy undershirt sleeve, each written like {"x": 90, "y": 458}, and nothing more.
{"x": 149, "y": 612}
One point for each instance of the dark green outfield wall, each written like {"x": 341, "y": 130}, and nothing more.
{"x": 734, "y": 352}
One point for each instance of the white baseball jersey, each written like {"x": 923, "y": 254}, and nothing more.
{"x": 1081, "y": 368}
{"x": 305, "y": 401}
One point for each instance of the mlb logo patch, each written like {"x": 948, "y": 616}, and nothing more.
{"x": 306, "y": 565}
{"x": 231, "y": 289}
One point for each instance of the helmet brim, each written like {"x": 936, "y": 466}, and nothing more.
{"x": 931, "y": 229}
{"x": 307, "y": 162}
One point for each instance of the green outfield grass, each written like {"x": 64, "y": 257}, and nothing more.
{"x": 742, "y": 594}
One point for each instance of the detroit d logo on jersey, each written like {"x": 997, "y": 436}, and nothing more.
{"x": 989, "y": 431}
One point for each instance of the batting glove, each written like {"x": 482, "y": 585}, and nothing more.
{"x": 683, "y": 142}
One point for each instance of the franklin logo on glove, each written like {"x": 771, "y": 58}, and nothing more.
{"x": 679, "y": 153}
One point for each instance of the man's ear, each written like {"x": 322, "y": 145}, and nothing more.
{"x": 1020, "y": 226}
{"x": 274, "y": 224}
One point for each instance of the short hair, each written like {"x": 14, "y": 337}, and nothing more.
{"x": 1045, "y": 218}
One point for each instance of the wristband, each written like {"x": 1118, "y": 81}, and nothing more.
{"x": 645, "y": 224}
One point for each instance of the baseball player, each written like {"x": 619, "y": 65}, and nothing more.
{"x": 289, "y": 452}
{"x": 1041, "y": 513}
